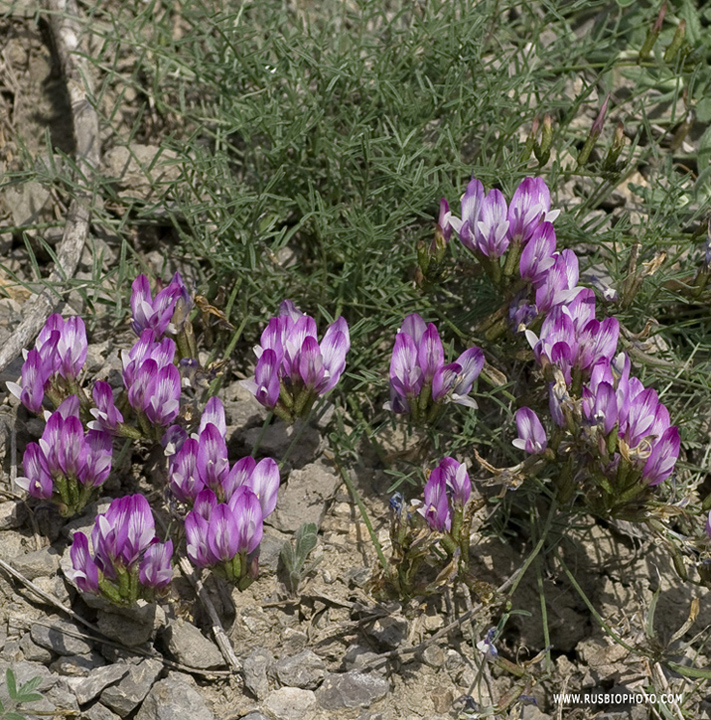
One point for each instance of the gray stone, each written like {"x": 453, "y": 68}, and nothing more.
{"x": 432, "y": 655}
{"x": 351, "y": 689}
{"x": 77, "y": 665}
{"x": 60, "y": 638}
{"x": 38, "y": 563}
{"x": 125, "y": 696}
{"x": 99, "y": 712}
{"x": 278, "y": 437}
{"x": 129, "y": 631}
{"x": 304, "y": 498}
{"x": 27, "y": 202}
{"x": 33, "y": 652}
{"x": 290, "y": 703}
{"x": 254, "y": 670}
{"x": 12, "y": 515}
{"x": 89, "y": 687}
{"x": 361, "y": 658}
{"x": 254, "y": 716}
{"x": 11, "y": 651}
{"x": 173, "y": 698}
{"x": 190, "y": 647}
{"x": 305, "y": 670}
{"x": 389, "y": 632}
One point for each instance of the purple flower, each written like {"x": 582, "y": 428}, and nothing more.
{"x": 146, "y": 348}
{"x": 155, "y": 570}
{"x": 529, "y": 206}
{"x": 708, "y": 525}
{"x": 97, "y": 461}
{"x": 66, "y": 351}
{"x": 456, "y": 479}
{"x": 214, "y": 413}
{"x": 531, "y": 435}
{"x": 537, "y": 255}
{"x": 471, "y": 210}
{"x": 265, "y": 386}
{"x": 197, "y": 547}
{"x": 490, "y": 231}
{"x": 406, "y": 378}
{"x": 37, "y": 481}
{"x": 185, "y": 482}
{"x": 212, "y": 462}
{"x": 36, "y": 371}
{"x": 84, "y": 573}
{"x": 162, "y": 398}
{"x": 106, "y": 413}
{"x": 661, "y": 461}
{"x": 436, "y": 508}
{"x": 223, "y": 533}
{"x": 443, "y": 223}
{"x": 154, "y": 314}
{"x": 247, "y": 513}
{"x": 559, "y": 285}
{"x": 453, "y": 383}
{"x": 264, "y": 482}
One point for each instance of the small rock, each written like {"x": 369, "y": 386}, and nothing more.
{"x": 128, "y": 631}
{"x": 254, "y": 716}
{"x": 278, "y": 437}
{"x": 77, "y": 665}
{"x": 58, "y": 638}
{"x": 33, "y": 652}
{"x": 351, "y": 689}
{"x": 304, "y": 498}
{"x": 289, "y": 703}
{"x": 305, "y": 670}
{"x": 190, "y": 647}
{"x": 531, "y": 712}
{"x": 11, "y": 651}
{"x": 39, "y": 563}
{"x": 89, "y": 687}
{"x": 389, "y": 631}
{"x": 270, "y": 549}
{"x": 12, "y": 515}
{"x": 99, "y": 712}
{"x": 432, "y": 655}
{"x": 442, "y": 699}
{"x": 360, "y": 658}
{"x": 173, "y": 698}
{"x": 254, "y": 670}
{"x": 27, "y": 202}
{"x": 125, "y": 696}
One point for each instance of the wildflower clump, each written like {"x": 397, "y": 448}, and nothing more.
{"x": 128, "y": 562}
{"x": 293, "y": 368}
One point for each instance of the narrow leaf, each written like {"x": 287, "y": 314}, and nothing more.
{"x": 11, "y": 684}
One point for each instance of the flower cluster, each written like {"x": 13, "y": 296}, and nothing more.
{"x": 443, "y": 520}
{"x": 67, "y": 464}
{"x": 293, "y": 368}
{"x": 619, "y": 430}
{"x": 128, "y": 560}
{"x": 420, "y": 382}
{"x": 53, "y": 365}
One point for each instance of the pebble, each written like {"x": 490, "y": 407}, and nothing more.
{"x": 254, "y": 670}
{"x": 99, "y": 712}
{"x": 289, "y": 703}
{"x": 389, "y": 632}
{"x": 130, "y": 691}
{"x": 173, "y": 698}
{"x": 190, "y": 647}
{"x": 351, "y": 689}
{"x": 305, "y": 670}
{"x": 58, "y": 638}
{"x": 89, "y": 687}
{"x": 38, "y": 563}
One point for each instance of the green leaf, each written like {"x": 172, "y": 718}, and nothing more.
{"x": 30, "y": 686}
{"x": 11, "y": 684}
{"x": 28, "y": 697}
{"x": 12, "y": 715}
{"x": 703, "y": 110}
{"x": 688, "y": 671}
